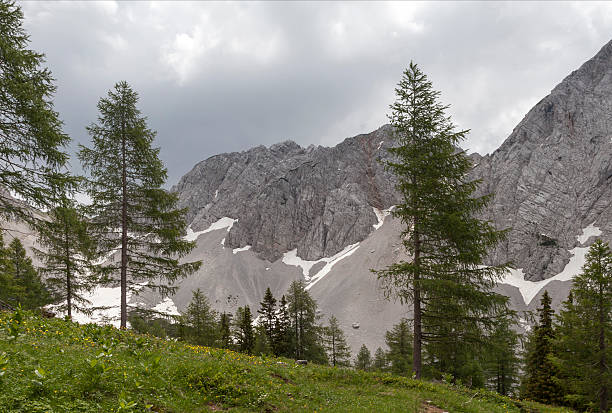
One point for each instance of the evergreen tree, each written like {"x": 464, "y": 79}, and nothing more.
{"x": 399, "y": 355}
{"x": 201, "y": 321}
{"x": 68, "y": 253}
{"x": 334, "y": 342}
{"x": 304, "y": 332}
{"x": 126, "y": 179}
{"x": 10, "y": 290}
{"x": 267, "y": 315}
{"x": 281, "y": 343}
{"x": 225, "y": 330}
{"x": 261, "y": 346}
{"x": 502, "y": 360}
{"x": 539, "y": 382}
{"x": 34, "y": 294}
{"x": 380, "y": 360}
{"x": 32, "y": 157}
{"x": 364, "y": 359}
{"x": 445, "y": 281}
{"x": 243, "y": 330}
{"x": 584, "y": 331}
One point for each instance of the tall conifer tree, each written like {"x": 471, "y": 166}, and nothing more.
{"x": 305, "y": 333}
{"x": 540, "y": 380}
{"x": 584, "y": 333}
{"x": 200, "y": 320}
{"x": 128, "y": 201}
{"x": 32, "y": 158}
{"x": 399, "y": 341}
{"x": 363, "y": 361}
{"x": 244, "y": 333}
{"x": 267, "y": 315}
{"x": 445, "y": 281}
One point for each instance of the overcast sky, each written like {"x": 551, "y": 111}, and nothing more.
{"x": 219, "y": 77}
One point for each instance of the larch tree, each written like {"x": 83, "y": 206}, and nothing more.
{"x": 32, "y": 156}
{"x": 200, "y": 321}
{"x": 68, "y": 255}
{"x": 130, "y": 210}
{"x": 334, "y": 342}
{"x": 445, "y": 281}
{"x": 304, "y": 331}
{"x": 584, "y": 333}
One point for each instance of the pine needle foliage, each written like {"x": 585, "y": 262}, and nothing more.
{"x": 32, "y": 158}
{"x": 446, "y": 281}
{"x": 131, "y": 211}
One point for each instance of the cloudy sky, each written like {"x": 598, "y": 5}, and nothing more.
{"x": 219, "y": 77}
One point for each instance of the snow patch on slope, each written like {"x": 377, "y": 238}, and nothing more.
{"x": 291, "y": 258}
{"x": 224, "y": 222}
{"x": 167, "y": 307}
{"x": 588, "y": 232}
{"x": 380, "y": 215}
{"x": 529, "y": 289}
{"x": 237, "y": 250}
{"x": 330, "y": 262}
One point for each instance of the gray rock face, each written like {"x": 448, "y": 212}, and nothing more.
{"x": 317, "y": 199}
{"x": 553, "y": 175}
{"x": 552, "y": 178}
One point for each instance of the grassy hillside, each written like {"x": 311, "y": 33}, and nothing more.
{"x": 50, "y": 365}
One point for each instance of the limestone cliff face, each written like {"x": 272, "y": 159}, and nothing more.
{"x": 553, "y": 175}
{"x": 316, "y": 199}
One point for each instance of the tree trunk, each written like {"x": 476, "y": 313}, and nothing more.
{"x": 123, "y": 231}
{"x": 68, "y": 281}
{"x": 603, "y": 365}
{"x": 417, "y": 336}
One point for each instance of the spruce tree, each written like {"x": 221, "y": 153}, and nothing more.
{"x": 267, "y": 315}
{"x": 539, "y": 382}
{"x": 225, "y": 331}
{"x": 128, "y": 201}
{"x": 399, "y": 356}
{"x": 584, "y": 331}
{"x": 334, "y": 342}
{"x": 32, "y": 156}
{"x": 243, "y": 330}
{"x": 68, "y": 253}
{"x": 445, "y": 281}
{"x": 501, "y": 359}
{"x": 281, "y": 344}
{"x": 380, "y": 360}
{"x": 363, "y": 361}
{"x": 261, "y": 345}
{"x": 201, "y": 320}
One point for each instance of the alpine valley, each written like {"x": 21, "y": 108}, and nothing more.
{"x": 268, "y": 216}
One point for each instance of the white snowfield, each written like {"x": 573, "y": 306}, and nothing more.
{"x": 237, "y": 250}
{"x": 291, "y": 258}
{"x": 380, "y": 215}
{"x": 224, "y": 222}
{"x": 529, "y": 289}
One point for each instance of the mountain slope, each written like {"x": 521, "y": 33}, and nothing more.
{"x": 267, "y": 216}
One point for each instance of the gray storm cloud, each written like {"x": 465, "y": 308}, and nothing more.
{"x": 218, "y": 77}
